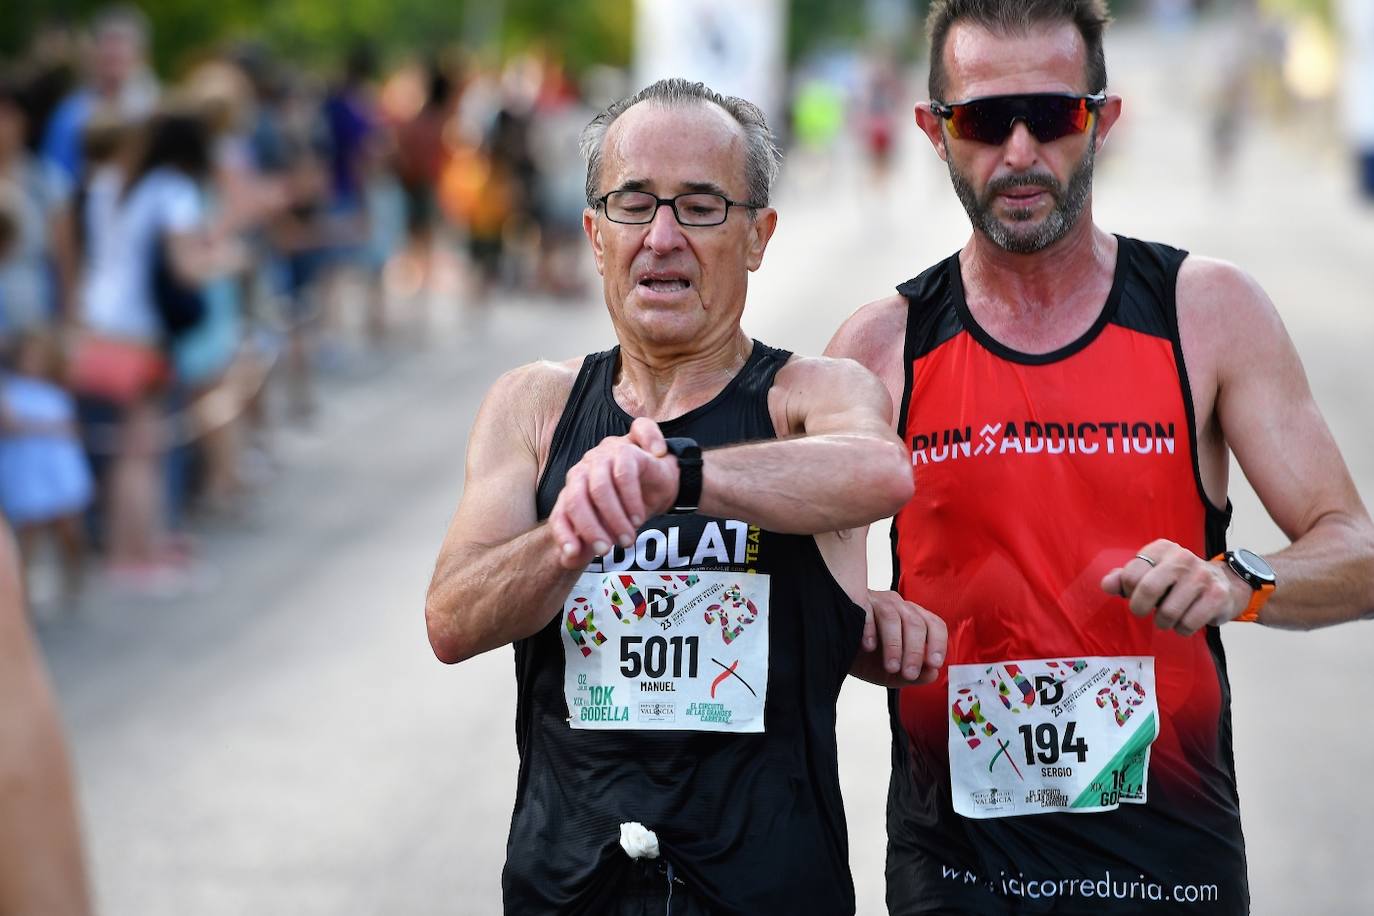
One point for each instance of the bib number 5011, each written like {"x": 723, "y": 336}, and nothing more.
{"x": 652, "y": 656}
{"x": 1043, "y": 744}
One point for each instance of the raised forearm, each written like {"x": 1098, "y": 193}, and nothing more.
{"x": 482, "y": 597}
{"x": 808, "y": 485}
{"x": 1325, "y": 577}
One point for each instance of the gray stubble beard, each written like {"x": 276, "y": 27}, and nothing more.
{"x": 1068, "y": 204}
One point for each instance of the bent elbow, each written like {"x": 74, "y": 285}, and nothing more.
{"x": 445, "y": 651}
{"x": 448, "y": 646}
{"x": 1361, "y": 576}
{"x": 1367, "y": 604}
{"x": 895, "y": 484}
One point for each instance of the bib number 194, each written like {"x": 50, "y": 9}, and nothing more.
{"x": 1046, "y": 746}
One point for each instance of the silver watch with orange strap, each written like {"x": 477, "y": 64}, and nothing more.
{"x": 1254, "y": 571}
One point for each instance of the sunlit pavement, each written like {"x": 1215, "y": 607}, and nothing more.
{"x": 284, "y": 742}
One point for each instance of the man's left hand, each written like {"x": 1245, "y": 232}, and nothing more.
{"x": 913, "y": 640}
{"x": 615, "y": 487}
{"x": 1183, "y": 591}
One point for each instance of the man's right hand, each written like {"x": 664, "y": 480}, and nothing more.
{"x": 611, "y": 492}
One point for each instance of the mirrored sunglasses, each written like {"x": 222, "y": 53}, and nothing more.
{"x": 1048, "y": 116}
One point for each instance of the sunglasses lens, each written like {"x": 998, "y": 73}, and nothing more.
{"x": 1051, "y": 117}
{"x": 983, "y": 121}
{"x": 991, "y": 120}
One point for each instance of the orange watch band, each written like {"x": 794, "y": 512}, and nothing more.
{"x": 1257, "y": 600}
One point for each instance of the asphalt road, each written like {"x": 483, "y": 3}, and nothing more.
{"x": 283, "y": 741}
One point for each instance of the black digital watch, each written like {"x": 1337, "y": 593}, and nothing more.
{"x": 689, "y": 475}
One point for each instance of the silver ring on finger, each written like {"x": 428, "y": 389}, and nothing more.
{"x": 1141, "y": 556}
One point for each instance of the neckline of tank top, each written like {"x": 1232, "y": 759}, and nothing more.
{"x": 757, "y": 352}
{"x": 1124, "y": 259}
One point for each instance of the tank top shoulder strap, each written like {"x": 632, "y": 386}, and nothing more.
{"x": 1149, "y": 303}
{"x": 759, "y": 371}
{"x": 932, "y": 318}
{"x": 932, "y": 307}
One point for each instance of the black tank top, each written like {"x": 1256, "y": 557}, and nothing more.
{"x": 1036, "y": 475}
{"x": 752, "y": 823}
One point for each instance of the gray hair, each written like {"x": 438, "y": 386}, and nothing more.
{"x": 762, "y": 156}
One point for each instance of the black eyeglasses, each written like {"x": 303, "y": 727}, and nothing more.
{"x": 1047, "y": 115}
{"x": 696, "y": 209}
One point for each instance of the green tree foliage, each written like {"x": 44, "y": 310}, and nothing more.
{"x": 812, "y": 23}
{"x": 317, "y": 32}
{"x": 585, "y": 33}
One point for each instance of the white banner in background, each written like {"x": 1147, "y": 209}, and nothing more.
{"x": 733, "y": 46}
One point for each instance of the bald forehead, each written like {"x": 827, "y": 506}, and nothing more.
{"x": 1050, "y": 57}
{"x": 698, "y": 115}
{"x": 666, "y": 143}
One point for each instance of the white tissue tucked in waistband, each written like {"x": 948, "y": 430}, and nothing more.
{"x": 638, "y": 841}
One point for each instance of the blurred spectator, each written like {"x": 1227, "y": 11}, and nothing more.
{"x": 37, "y": 274}
{"x": 143, "y": 226}
{"x": 291, "y": 145}
{"x": 356, "y": 149}
{"x": 288, "y": 148}
{"x": 817, "y": 121}
{"x": 1239, "y": 55}
{"x": 477, "y": 191}
{"x": 881, "y": 99}
{"x": 509, "y": 145}
{"x": 49, "y": 74}
{"x": 41, "y": 861}
{"x": 45, "y": 482}
{"x": 560, "y": 114}
{"x": 120, "y": 84}
{"x": 351, "y": 119}
{"x": 1357, "y": 21}
{"x": 214, "y": 371}
{"x": 421, "y": 153}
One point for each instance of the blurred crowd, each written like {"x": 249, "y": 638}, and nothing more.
{"x": 183, "y": 263}
{"x": 177, "y": 262}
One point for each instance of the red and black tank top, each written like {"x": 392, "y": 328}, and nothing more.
{"x": 752, "y": 822}
{"x": 1035, "y": 476}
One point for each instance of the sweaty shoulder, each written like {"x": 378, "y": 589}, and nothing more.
{"x": 873, "y": 335}
{"x": 1218, "y": 305}
{"x": 528, "y": 401}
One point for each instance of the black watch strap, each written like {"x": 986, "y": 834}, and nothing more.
{"x": 689, "y": 475}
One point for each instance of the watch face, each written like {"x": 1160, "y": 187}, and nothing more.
{"x": 1255, "y": 565}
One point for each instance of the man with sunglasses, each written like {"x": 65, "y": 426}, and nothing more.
{"x": 683, "y": 608}
{"x": 1071, "y": 399}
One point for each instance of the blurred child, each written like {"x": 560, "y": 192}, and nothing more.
{"x": 45, "y": 482}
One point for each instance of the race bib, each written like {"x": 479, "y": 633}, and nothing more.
{"x": 1029, "y": 737}
{"x": 680, "y": 652}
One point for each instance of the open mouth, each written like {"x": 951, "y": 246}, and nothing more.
{"x": 665, "y": 284}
